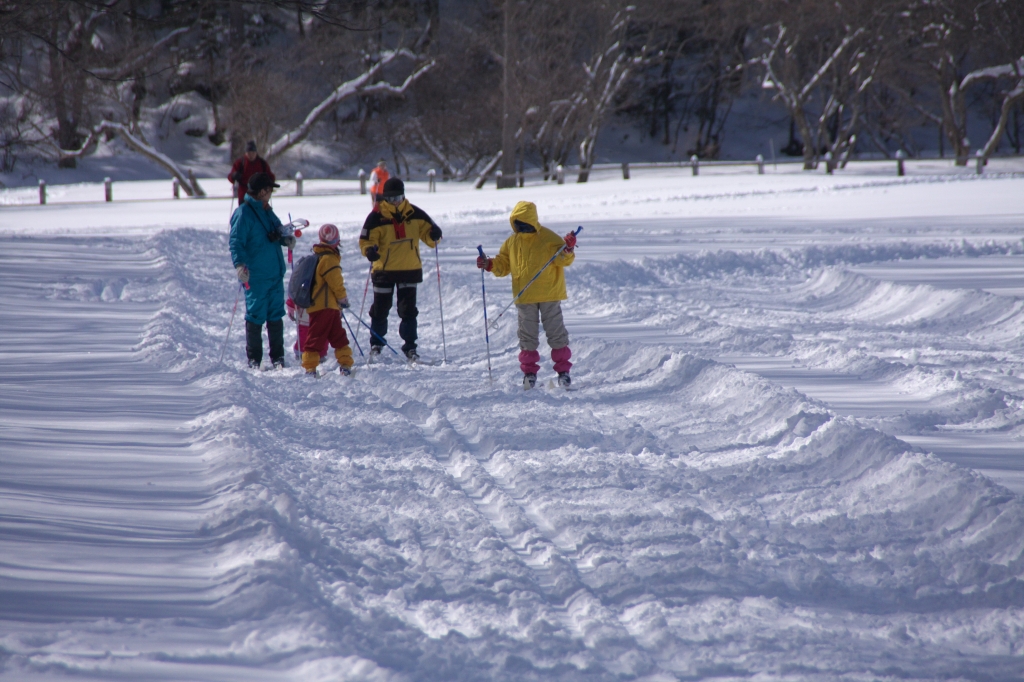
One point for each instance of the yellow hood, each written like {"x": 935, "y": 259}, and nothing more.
{"x": 526, "y": 211}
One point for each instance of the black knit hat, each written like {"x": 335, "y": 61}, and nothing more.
{"x": 393, "y": 188}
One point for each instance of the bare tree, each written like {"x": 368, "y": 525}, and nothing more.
{"x": 819, "y": 60}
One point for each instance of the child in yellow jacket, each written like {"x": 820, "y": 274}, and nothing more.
{"x": 523, "y": 255}
{"x": 329, "y": 298}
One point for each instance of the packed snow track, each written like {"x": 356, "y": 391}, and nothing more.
{"x": 741, "y": 487}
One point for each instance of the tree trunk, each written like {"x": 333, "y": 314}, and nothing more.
{"x": 508, "y": 122}
{"x": 810, "y": 146}
{"x": 236, "y": 62}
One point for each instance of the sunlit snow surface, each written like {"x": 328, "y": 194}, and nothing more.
{"x": 740, "y": 488}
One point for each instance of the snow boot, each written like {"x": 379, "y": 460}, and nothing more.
{"x": 563, "y": 380}
{"x": 411, "y": 355}
{"x": 529, "y": 381}
{"x": 311, "y": 374}
{"x": 345, "y": 371}
{"x": 374, "y": 355}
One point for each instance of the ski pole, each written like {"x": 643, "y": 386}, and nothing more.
{"x": 440, "y": 303}
{"x": 231, "y": 321}
{"x": 532, "y": 280}
{"x": 379, "y": 337}
{"x": 234, "y": 198}
{"x": 352, "y": 333}
{"x": 366, "y": 287}
{"x": 487, "y": 333}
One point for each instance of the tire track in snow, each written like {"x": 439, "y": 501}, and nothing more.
{"x": 570, "y": 599}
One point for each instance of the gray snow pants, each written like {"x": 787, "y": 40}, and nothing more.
{"x": 550, "y": 313}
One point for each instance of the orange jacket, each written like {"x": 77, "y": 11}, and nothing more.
{"x": 378, "y": 178}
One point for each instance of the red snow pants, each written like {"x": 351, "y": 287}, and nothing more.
{"x": 325, "y": 327}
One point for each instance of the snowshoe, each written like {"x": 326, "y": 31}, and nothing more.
{"x": 411, "y": 355}
{"x": 374, "y": 355}
{"x": 563, "y": 380}
{"x": 529, "y": 381}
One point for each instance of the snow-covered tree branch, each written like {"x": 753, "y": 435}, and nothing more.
{"x": 139, "y": 144}
{"x": 360, "y": 85}
{"x": 1014, "y": 71}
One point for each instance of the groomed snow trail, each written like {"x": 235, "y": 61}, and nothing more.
{"x": 674, "y": 518}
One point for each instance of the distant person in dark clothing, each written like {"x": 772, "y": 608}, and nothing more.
{"x": 246, "y": 167}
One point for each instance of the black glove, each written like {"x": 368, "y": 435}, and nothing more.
{"x": 288, "y": 241}
{"x": 435, "y": 232}
{"x": 372, "y": 255}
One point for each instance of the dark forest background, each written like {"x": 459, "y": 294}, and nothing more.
{"x": 474, "y": 85}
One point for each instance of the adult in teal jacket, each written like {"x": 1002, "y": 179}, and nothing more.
{"x": 256, "y": 242}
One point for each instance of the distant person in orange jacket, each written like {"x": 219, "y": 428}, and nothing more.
{"x": 246, "y": 167}
{"x": 378, "y": 177}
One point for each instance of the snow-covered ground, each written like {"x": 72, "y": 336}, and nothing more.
{"x": 796, "y": 450}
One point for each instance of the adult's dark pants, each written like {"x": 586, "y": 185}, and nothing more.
{"x": 254, "y": 341}
{"x": 407, "y": 312}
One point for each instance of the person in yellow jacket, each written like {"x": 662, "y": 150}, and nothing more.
{"x": 390, "y": 240}
{"x": 328, "y": 298}
{"x": 523, "y": 255}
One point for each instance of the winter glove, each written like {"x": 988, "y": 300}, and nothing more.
{"x": 485, "y": 263}
{"x": 570, "y": 242}
{"x": 243, "y": 274}
{"x": 288, "y": 241}
{"x": 343, "y": 303}
{"x": 290, "y": 307}
{"x": 372, "y": 254}
{"x": 435, "y": 232}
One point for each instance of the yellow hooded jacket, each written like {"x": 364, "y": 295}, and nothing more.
{"x": 397, "y": 233}
{"x": 328, "y": 284}
{"x": 524, "y": 254}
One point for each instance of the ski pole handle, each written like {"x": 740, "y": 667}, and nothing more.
{"x": 480, "y": 248}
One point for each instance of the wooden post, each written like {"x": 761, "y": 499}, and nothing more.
{"x": 499, "y": 176}
{"x": 298, "y": 184}
{"x": 625, "y": 170}
{"x": 980, "y": 168}
{"x": 695, "y": 164}
{"x": 175, "y": 188}
{"x": 362, "y": 181}
{"x": 108, "y": 189}
{"x": 42, "y": 192}
{"x": 431, "y": 180}
{"x": 900, "y": 158}
{"x": 760, "y": 164}
{"x": 560, "y": 174}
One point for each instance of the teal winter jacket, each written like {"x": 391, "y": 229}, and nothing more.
{"x": 252, "y": 228}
